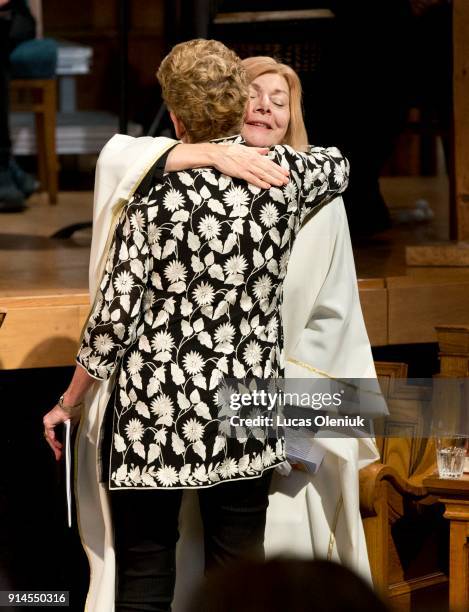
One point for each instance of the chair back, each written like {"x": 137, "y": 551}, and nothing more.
{"x": 404, "y": 447}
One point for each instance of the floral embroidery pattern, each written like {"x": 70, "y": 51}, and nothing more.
{"x": 191, "y": 295}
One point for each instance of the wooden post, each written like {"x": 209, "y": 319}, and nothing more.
{"x": 461, "y": 116}
{"x": 453, "y": 341}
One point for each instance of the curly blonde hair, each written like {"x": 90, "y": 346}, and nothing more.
{"x": 296, "y": 135}
{"x": 205, "y": 85}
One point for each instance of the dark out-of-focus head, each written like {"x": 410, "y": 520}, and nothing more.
{"x": 283, "y": 585}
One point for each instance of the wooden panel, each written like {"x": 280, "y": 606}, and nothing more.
{"x": 454, "y": 339}
{"x": 373, "y": 299}
{"x": 447, "y": 486}
{"x": 83, "y": 312}
{"x": 417, "y": 305}
{"x": 461, "y": 116}
{"x": 39, "y": 337}
{"x": 44, "y": 301}
{"x": 454, "y": 254}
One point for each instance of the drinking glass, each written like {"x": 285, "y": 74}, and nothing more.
{"x": 450, "y": 456}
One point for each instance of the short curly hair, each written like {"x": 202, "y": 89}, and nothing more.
{"x": 205, "y": 85}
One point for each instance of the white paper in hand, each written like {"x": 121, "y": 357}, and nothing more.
{"x": 68, "y": 468}
{"x": 305, "y": 451}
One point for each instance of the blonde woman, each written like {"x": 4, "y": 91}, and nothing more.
{"x": 325, "y": 336}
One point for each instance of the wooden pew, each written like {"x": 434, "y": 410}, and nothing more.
{"x": 402, "y": 522}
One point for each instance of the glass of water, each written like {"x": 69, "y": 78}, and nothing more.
{"x": 450, "y": 456}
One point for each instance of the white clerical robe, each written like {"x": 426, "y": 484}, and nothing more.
{"x": 308, "y": 516}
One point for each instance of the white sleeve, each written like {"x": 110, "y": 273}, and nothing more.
{"x": 323, "y": 320}
{"x": 122, "y": 164}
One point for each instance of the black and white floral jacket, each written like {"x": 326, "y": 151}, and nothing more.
{"x": 191, "y": 295}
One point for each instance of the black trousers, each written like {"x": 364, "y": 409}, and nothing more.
{"x": 146, "y": 531}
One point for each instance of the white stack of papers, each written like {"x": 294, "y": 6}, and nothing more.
{"x": 81, "y": 132}
{"x": 73, "y": 58}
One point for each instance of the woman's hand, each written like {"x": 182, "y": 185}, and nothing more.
{"x": 238, "y": 161}
{"x": 55, "y": 417}
{"x": 250, "y": 164}
{"x": 71, "y": 408}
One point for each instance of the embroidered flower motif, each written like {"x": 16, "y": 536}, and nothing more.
{"x": 224, "y": 333}
{"x": 93, "y": 363}
{"x": 290, "y": 191}
{"x": 173, "y": 200}
{"x": 148, "y": 299}
{"x": 284, "y": 262}
{"x": 256, "y": 463}
{"x": 167, "y": 476}
{"x": 271, "y": 329}
{"x": 339, "y": 174}
{"x": 268, "y": 456}
{"x": 162, "y": 341}
{"x": 154, "y": 233}
{"x": 175, "y": 271}
{"x": 123, "y": 282}
{"x": 228, "y": 468}
{"x": 252, "y": 353}
{"x": 262, "y": 287}
{"x": 203, "y": 294}
{"x": 162, "y": 406}
{"x": 137, "y": 221}
{"x": 236, "y": 264}
{"x": 209, "y": 227}
{"x": 200, "y": 473}
{"x": 193, "y": 430}
{"x": 269, "y": 215}
{"x": 103, "y": 344}
{"x": 134, "y": 430}
{"x": 222, "y": 396}
{"x": 193, "y": 363}
{"x": 236, "y": 197}
{"x": 308, "y": 180}
{"x": 135, "y": 363}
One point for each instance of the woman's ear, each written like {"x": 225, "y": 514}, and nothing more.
{"x": 178, "y": 127}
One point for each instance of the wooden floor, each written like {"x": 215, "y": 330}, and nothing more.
{"x": 31, "y": 263}
{"x": 43, "y": 281}
{"x": 384, "y": 254}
